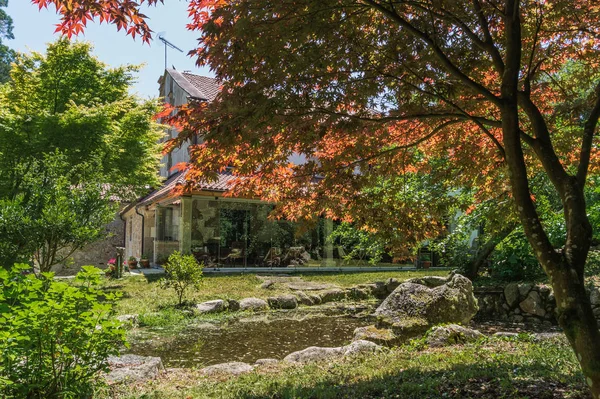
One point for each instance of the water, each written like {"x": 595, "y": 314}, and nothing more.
{"x": 247, "y": 340}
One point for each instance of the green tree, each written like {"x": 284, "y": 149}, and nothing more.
{"x": 7, "y": 55}
{"x": 103, "y": 141}
{"x": 181, "y": 273}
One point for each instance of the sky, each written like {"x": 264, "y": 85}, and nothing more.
{"x": 33, "y": 29}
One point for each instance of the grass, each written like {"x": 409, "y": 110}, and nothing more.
{"x": 142, "y": 295}
{"x": 492, "y": 368}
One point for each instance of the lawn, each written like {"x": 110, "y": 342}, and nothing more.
{"x": 492, "y": 368}
{"x": 144, "y": 295}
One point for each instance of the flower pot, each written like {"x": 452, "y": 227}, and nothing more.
{"x": 145, "y": 263}
{"x": 426, "y": 264}
{"x": 132, "y": 264}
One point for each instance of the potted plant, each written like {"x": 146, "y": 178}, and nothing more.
{"x": 145, "y": 261}
{"x": 426, "y": 261}
{"x": 132, "y": 262}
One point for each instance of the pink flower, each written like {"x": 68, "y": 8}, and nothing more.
{"x": 111, "y": 261}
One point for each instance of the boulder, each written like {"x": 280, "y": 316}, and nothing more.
{"x": 414, "y": 308}
{"x": 305, "y": 299}
{"x": 233, "y": 305}
{"x": 216, "y": 306}
{"x": 391, "y": 284}
{"x": 381, "y": 336}
{"x": 283, "y": 302}
{"x": 263, "y": 362}
{"x": 311, "y": 354}
{"x": 511, "y": 294}
{"x": 254, "y": 304}
{"x": 524, "y": 289}
{"x": 505, "y": 334}
{"x": 359, "y": 347}
{"x": 130, "y": 368}
{"x": 428, "y": 281}
{"x": 233, "y": 368}
{"x": 267, "y": 285}
{"x": 451, "y": 334}
{"x": 332, "y": 295}
{"x": 533, "y": 304}
{"x": 357, "y": 293}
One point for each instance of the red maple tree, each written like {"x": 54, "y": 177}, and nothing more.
{"x": 369, "y": 88}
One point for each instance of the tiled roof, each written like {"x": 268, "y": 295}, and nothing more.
{"x": 209, "y": 87}
{"x": 222, "y": 184}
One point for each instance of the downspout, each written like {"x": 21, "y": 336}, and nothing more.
{"x": 143, "y": 223}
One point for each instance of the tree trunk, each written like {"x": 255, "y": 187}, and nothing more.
{"x": 574, "y": 313}
{"x": 564, "y": 268}
{"x": 485, "y": 250}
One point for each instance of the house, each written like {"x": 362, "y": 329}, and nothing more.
{"x": 217, "y": 229}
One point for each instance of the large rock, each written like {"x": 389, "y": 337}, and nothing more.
{"x": 428, "y": 281}
{"x": 315, "y": 353}
{"x": 283, "y": 302}
{"x": 533, "y": 304}
{"x": 359, "y": 347}
{"x": 332, "y": 295}
{"x": 216, "y": 306}
{"x": 254, "y": 304}
{"x": 233, "y": 305}
{"x": 131, "y": 368}
{"x": 511, "y": 294}
{"x": 312, "y": 354}
{"x": 452, "y": 334}
{"x": 233, "y": 368}
{"x": 414, "y": 308}
{"x": 305, "y": 299}
{"x": 381, "y": 336}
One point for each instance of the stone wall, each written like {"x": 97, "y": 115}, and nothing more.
{"x": 523, "y": 303}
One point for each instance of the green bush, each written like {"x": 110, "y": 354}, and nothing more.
{"x": 592, "y": 264}
{"x": 181, "y": 272}
{"x": 55, "y": 337}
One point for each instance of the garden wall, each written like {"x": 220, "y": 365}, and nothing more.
{"x": 524, "y": 303}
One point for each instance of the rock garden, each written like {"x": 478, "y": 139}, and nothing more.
{"x": 289, "y": 322}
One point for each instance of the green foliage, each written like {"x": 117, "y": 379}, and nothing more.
{"x": 358, "y": 244}
{"x": 55, "y": 337}
{"x": 592, "y": 265}
{"x": 181, "y": 272}
{"x": 7, "y": 55}
{"x": 67, "y": 100}
{"x": 71, "y": 141}
{"x": 52, "y": 216}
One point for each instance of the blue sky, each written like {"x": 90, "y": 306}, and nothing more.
{"x": 34, "y": 29}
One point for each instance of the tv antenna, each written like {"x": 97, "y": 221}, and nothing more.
{"x": 161, "y": 37}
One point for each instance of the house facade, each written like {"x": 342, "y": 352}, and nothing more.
{"x": 217, "y": 229}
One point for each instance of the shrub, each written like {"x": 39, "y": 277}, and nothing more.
{"x": 55, "y": 337}
{"x": 181, "y": 272}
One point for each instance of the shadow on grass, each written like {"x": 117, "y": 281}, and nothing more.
{"x": 488, "y": 380}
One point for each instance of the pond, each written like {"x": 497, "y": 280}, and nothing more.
{"x": 246, "y": 340}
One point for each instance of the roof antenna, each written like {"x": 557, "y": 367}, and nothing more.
{"x": 161, "y": 37}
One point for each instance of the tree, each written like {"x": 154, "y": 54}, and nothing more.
{"x": 181, "y": 273}
{"x": 72, "y": 140}
{"x": 6, "y": 32}
{"x": 355, "y": 85}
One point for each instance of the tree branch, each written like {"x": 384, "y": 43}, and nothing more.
{"x": 588, "y": 138}
{"x": 439, "y": 53}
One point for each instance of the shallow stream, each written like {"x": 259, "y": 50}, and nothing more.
{"x": 246, "y": 340}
